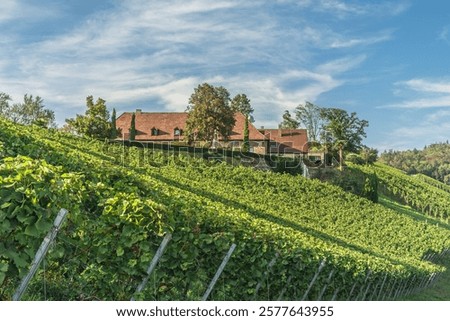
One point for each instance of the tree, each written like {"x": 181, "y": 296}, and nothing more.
{"x": 31, "y": 112}
{"x": 209, "y": 114}
{"x": 369, "y": 155}
{"x": 308, "y": 116}
{"x": 343, "y": 131}
{"x": 241, "y": 103}
{"x": 4, "y": 104}
{"x": 133, "y": 127}
{"x": 95, "y": 123}
{"x": 113, "y": 124}
{"x": 288, "y": 122}
{"x": 246, "y": 142}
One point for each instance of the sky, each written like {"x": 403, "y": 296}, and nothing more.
{"x": 388, "y": 61}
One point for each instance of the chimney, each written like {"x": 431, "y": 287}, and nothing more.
{"x": 138, "y": 111}
{"x": 262, "y": 127}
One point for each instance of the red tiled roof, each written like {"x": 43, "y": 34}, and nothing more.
{"x": 287, "y": 140}
{"x": 166, "y": 123}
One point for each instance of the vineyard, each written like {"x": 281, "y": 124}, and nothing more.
{"x": 421, "y": 192}
{"x": 295, "y": 238}
{"x": 433, "y": 182}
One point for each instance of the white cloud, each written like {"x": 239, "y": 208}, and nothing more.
{"x": 423, "y": 85}
{"x": 8, "y": 10}
{"x": 429, "y": 126}
{"x": 345, "y": 9}
{"x": 18, "y": 10}
{"x": 352, "y": 42}
{"x": 154, "y": 52}
{"x": 422, "y": 93}
{"x": 421, "y": 134}
{"x": 437, "y": 117}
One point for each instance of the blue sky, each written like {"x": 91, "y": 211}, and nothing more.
{"x": 386, "y": 60}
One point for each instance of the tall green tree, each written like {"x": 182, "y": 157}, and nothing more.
{"x": 133, "y": 127}
{"x": 309, "y": 117}
{"x": 4, "y": 104}
{"x": 241, "y": 103}
{"x": 288, "y": 121}
{"x": 31, "y": 111}
{"x": 95, "y": 123}
{"x": 343, "y": 131}
{"x": 246, "y": 142}
{"x": 113, "y": 124}
{"x": 209, "y": 114}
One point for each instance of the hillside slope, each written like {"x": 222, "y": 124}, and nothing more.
{"x": 417, "y": 192}
{"x": 433, "y": 161}
{"x": 122, "y": 200}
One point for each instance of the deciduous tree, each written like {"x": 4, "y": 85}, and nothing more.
{"x": 95, "y": 123}
{"x": 4, "y": 104}
{"x": 241, "y": 103}
{"x": 288, "y": 122}
{"x": 308, "y": 116}
{"x": 343, "y": 131}
{"x": 209, "y": 114}
{"x": 31, "y": 111}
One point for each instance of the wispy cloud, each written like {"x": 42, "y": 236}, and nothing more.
{"x": 423, "y": 85}
{"x": 18, "y": 10}
{"x": 352, "y": 42}
{"x": 345, "y": 9}
{"x": 8, "y": 10}
{"x": 431, "y": 128}
{"x": 444, "y": 34}
{"x": 153, "y": 54}
{"x": 422, "y": 93}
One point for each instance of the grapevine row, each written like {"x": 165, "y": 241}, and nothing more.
{"x": 120, "y": 211}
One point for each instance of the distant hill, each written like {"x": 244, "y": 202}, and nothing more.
{"x": 433, "y": 161}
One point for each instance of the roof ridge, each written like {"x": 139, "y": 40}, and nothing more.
{"x": 155, "y": 112}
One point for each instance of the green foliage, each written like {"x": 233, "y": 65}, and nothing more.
{"x": 353, "y": 180}
{"x": 114, "y": 132}
{"x": 133, "y": 127}
{"x": 417, "y": 193}
{"x": 288, "y": 121}
{"x": 370, "y": 190}
{"x": 95, "y": 123}
{"x": 354, "y": 158}
{"x": 209, "y": 114}
{"x": 120, "y": 206}
{"x": 432, "y": 182}
{"x": 366, "y": 156}
{"x": 241, "y": 103}
{"x": 4, "y": 104}
{"x": 246, "y": 142}
{"x": 343, "y": 131}
{"x": 30, "y": 112}
{"x": 432, "y": 161}
{"x": 308, "y": 116}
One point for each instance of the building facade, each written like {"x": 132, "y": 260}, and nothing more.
{"x": 168, "y": 127}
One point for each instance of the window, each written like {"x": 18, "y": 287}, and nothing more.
{"x": 155, "y": 131}
{"x": 177, "y": 131}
